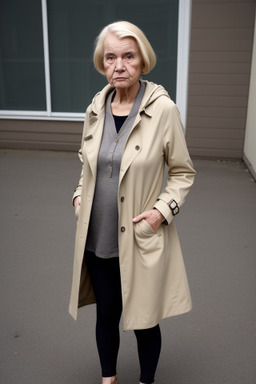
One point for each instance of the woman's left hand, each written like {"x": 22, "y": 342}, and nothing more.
{"x": 153, "y": 217}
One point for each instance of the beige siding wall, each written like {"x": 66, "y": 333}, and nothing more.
{"x": 219, "y": 75}
{"x": 30, "y": 134}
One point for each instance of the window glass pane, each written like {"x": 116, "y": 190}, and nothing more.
{"x": 21, "y": 56}
{"x": 73, "y": 26}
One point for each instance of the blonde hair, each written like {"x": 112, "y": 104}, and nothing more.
{"x": 122, "y": 29}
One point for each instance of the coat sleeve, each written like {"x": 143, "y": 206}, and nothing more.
{"x": 78, "y": 189}
{"x": 180, "y": 168}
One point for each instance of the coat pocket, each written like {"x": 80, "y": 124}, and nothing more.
{"x": 150, "y": 245}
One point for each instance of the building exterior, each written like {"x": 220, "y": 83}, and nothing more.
{"x": 205, "y": 59}
{"x": 219, "y": 76}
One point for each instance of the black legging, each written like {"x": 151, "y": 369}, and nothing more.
{"x": 105, "y": 278}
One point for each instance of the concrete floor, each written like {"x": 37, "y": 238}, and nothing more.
{"x": 41, "y": 344}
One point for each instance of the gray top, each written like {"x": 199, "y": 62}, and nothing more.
{"x": 102, "y": 238}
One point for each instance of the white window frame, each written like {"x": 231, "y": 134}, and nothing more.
{"x": 46, "y": 58}
{"x": 184, "y": 22}
{"x": 184, "y": 28}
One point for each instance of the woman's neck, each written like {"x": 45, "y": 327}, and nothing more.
{"x": 124, "y": 99}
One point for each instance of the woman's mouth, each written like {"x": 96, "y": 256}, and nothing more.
{"x": 120, "y": 78}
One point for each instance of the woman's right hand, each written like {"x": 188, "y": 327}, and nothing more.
{"x": 77, "y": 203}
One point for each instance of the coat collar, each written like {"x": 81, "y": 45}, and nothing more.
{"x": 96, "y": 123}
{"x": 152, "y": 92}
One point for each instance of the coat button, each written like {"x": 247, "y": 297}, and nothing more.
{"x": 137, "y": 147}
{"x": 122, "y": 199}
{"x": 122, "y": 229}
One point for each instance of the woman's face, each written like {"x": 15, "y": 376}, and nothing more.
{"x": 122, "y": 61}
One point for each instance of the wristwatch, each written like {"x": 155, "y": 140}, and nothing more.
{"x": 174, "y": 207}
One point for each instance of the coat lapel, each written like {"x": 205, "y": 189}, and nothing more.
{"x": 132, "y": 148}
{"x": 93, "y": 139}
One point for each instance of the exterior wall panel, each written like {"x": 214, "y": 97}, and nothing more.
{"x": 43, "y": 135}
{"x": 219, "y": 75}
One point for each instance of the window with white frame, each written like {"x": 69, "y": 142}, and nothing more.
{"x": 46, "y": 51}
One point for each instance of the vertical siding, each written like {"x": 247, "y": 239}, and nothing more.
{"x": 219, "y": 75}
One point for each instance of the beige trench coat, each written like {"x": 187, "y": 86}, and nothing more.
{"x": 153, "y": 276}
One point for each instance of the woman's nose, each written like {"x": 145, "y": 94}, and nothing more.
{"x": 119, "y": 64}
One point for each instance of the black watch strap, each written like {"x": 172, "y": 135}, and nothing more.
{"x": 174, "y": 207}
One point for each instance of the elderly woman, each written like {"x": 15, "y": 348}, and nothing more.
{"x": 127, "y": 254}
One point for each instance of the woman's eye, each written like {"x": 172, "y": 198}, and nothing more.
{"x": 129, "y": 57}
{"x": 110, "y": 58}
